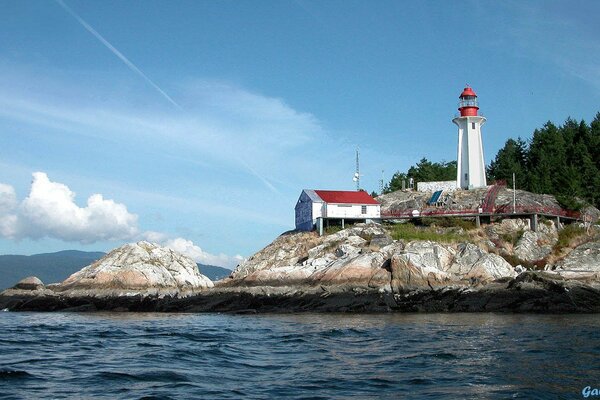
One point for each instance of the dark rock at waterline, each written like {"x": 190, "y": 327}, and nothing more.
{"x": 530, "y": 292}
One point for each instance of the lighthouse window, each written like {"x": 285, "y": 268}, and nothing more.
{"x": 472, "y": 125}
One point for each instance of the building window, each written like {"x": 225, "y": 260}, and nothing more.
{"x": 363, "y": 209}
{"x": 472, "y": 125}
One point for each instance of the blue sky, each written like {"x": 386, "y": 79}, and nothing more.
{"x": 197, "y": 123}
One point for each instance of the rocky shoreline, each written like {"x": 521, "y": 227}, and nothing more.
{"x": 530, "y": 292}
{"x": 501, "y": 267}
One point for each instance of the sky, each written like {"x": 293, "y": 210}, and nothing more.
{"x": 196, "y": 124}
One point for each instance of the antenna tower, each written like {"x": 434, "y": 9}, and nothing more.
{"x": 357, "y": 173}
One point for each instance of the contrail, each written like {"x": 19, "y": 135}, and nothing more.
{"x": 116, "y": 52}
{"x": 259, "y": 176}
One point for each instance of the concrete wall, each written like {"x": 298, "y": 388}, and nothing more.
{"x": 435, "y": 186}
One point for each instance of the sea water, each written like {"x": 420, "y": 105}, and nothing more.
{"x": 298, "y": 356}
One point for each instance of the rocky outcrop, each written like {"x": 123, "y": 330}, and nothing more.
{"x": 403, "y": 201}
{"x": 427, "y": 265}
{"x": 366, "y": 257}
{"x": 30, "y": 283}
{"x": 533, "y": 246}
{"x": 139, "y": 266}
{"x": 131, "y": 276}
{"x": 361, "y": 268}
{"x": 584, "y": 258}
{"x": 343, "y": 260}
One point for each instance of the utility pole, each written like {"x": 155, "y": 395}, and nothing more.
{"x": 381, "y": 183}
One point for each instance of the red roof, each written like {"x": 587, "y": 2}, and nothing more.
{"x": 467, "y": 92}
{"x": 345, "y": 197}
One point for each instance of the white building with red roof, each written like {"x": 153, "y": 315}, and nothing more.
{"x": 316, "y": 207}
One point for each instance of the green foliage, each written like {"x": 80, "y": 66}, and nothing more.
{"x": 331, "y": 229}
{"x": 449, "y": 222}
{"x": 408, "y": 232}
{"x": 560, "y": 160}
{"x": 567, "y": 235}
{"x": 513, "y": 237}
{"x": 424, "y": 171}
{"x": 510, "y": 159}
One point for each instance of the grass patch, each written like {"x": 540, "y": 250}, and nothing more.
{"x": 513, "y": 237}
{"x": 408, "y": 232}
{"x": 331, "y": 229}
{"x": 567, "y": 235}
{"x": 449, "y": 222}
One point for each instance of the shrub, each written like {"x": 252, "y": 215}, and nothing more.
{"x": 331, "y": 229}
{"x": 514, "y": 261}
{"x": 449, "y": 222}
{"x": 513, "y": 237}
{"x": 566, "y": 235}
{"x": 408, "y": 232}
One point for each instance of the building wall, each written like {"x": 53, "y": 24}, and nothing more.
{"x": 304, "y": 213}
{"x": 352, "y": 211}
{"x": 435, "y": 186}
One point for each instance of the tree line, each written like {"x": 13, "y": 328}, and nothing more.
{"x": 560, "y": 160}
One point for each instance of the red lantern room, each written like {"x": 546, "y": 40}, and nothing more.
{"x": 468, "y": 104}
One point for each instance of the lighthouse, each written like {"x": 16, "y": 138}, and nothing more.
{"x": 470, "y": 172}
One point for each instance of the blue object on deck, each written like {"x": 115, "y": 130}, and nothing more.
{"x": 435, "y": 197}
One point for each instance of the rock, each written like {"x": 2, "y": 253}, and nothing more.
{"x": 427, "y": 265}
{"x": 290, "y": 248}
{"x": 363, "y": 270}
{"x": 429, "y": 254}
{"x": 584, "y": 258}
{"x": 506, "y": 227}
{"x": 30, "y": 283}
{"x": 471, "y": 262}
{"x": 381, "y": 240}
{"x": 339, "y": 261}
{"x": 533, "y": 246}
{"x": 139, "y": 266}
{"x": 408, "y": 276}
{"x": 347, "y": 250}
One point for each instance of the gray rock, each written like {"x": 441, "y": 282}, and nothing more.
{"x": 381, "y": 240}
{"x": 533, "y": 246}
{"x": 30, "y": 283}
{"x": 471, "y": 262}
{"x": 585, "y": 257}
{"x": 139, "y": 266}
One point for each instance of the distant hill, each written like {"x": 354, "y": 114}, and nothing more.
{"x": 56, "y": 267}
{"x": 49, "y": 267}
{"x": 213, "y": 272}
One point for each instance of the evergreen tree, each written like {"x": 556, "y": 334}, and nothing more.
{"x": 510, "y": 159}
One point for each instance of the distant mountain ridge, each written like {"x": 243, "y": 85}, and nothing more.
{"x": 56, "y": 267}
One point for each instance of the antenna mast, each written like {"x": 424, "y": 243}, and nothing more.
{"x": 357, "y": 173}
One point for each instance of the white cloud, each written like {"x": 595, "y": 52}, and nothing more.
{"x": 188, "y": 248}
{"x": 50, "y": 211}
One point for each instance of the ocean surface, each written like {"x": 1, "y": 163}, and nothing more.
{"x": 297, "y": 356}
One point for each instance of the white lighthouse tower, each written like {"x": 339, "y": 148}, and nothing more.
{"x": 470, "y": 166}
